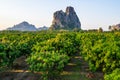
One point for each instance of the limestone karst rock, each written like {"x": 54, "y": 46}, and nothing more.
{"x": 114, "y": 27}
{"x": 65, "y": 20}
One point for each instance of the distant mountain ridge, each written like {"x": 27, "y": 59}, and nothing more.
{"x": 25, "y": 26}
{"x": 67, "y": 20}
{"x": 43, "y": 28}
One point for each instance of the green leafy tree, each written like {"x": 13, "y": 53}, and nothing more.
{"x": 50, "y": 64}
{"x": 115, "y": 75}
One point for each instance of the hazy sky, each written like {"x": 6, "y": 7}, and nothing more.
{"x": 92, "y": 13}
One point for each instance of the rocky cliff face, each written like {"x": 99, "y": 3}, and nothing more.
{"x": 24, "y": 26}
{"x": 65, "y": 20}
{"x": 114, "y": 27}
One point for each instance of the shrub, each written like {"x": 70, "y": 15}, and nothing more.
{"x": 115, "y": 75}
{"x": 50, "y": 64}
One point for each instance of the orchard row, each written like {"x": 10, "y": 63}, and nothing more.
{"x": 49, "y": 52}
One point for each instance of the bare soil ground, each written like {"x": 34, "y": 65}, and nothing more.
{"x": 77, "y": 69}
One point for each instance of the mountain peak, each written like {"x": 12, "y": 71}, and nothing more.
{"x": 65, "y": 20}
{"x": 23, "y": 26}
{"x": 70, "y": 9}
{"x": 24, "y": 22}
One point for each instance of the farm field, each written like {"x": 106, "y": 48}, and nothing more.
{"x": 59, "y": 55}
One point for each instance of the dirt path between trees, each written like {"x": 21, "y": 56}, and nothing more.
{"x": 77, "y": 69}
